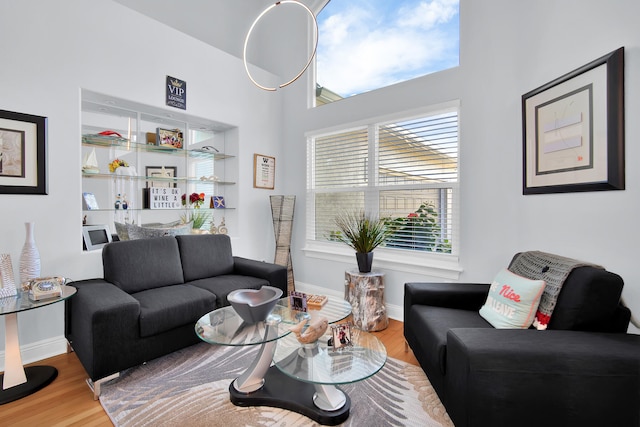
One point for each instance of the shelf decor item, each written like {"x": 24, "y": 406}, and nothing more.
{"x": 197, "y": 218}
{"x": 30, "y": 256}
{"x": 195, "y": 199}
{"x": 7, "y": 283}
{"x": 117, "y": 163}
{"x": 363, "y": 232}
{"x": 218, "y": 202}
{"x": 169, "y": 138}
{"x": 90, "y": 164}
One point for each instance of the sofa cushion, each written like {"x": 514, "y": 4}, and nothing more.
{"x": 205, "y": 255}
{"x": 588, "y": 301}
{"x": 169, "y": 307}
{"x": 137, "y": 265}
{"x": 222, "y": 285}
{"x": 512, "y": 301}
{"x": 435, "y": 322}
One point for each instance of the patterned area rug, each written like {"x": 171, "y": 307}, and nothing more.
{"x": 191, "y": 388}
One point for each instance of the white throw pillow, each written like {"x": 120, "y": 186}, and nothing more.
{"x": 512, "y": 301}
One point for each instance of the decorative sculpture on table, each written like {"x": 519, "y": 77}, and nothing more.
{"x": 30, "y": 256}
{"x": 308, "y": 331}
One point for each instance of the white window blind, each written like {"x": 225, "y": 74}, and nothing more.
{"x": 405, "y": 171}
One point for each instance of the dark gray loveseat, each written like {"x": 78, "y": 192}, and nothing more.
{"x": 152, "y": 293}
{"x": 584, "y": 370}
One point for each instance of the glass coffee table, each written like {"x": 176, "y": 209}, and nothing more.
{"x": 293, "y": 376}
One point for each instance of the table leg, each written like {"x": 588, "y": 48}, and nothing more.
{"x": 18, "y": 381}
{"x": 253, "y": 378}
{"x": 328, "y": 397}
{"x": 13, "y": 368}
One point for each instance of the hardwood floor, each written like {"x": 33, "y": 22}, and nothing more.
{"x": 69, "y": 402}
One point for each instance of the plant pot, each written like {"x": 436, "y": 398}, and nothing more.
{"x": 364, "y": 261}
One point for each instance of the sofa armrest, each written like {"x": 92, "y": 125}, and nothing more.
{"x": 533, "y": 378}
{"x": 274, "y": 273}
{"x": 465, "y": 296}
{"x": 100, "y": 319}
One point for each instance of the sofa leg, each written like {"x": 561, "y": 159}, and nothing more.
{"x": 95, "y": 385}
{"x": 406, "y": 346}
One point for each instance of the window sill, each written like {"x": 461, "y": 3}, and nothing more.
{"x": 429, "y": 264}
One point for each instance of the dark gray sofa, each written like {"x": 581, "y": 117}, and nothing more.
{"x": 584, "y": 370}
{"x": 152, "y": 293}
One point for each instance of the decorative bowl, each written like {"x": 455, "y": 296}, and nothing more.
{"x": 253, "y": 305}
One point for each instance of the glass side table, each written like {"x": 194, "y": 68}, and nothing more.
{"x": 262, "y": 384}
{"x": 325, "y": 367}
{"x": 18, "y": 381}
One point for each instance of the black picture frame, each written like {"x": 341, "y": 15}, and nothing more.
{"x": 573, "y": 130}
{"x": 23, "y": 153}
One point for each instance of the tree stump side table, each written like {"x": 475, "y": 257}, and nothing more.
{"x": 365, "y": 293}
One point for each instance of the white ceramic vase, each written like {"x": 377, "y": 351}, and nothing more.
{"x": 30, "y": 256}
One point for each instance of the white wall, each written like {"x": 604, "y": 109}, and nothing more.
{"x": 49, "y": 51}
{"x": 507, "y": 49}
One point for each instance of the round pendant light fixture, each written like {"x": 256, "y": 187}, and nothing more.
{"x": 315, "y": 44}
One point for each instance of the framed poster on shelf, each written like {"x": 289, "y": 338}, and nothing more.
{"x": 264, "y": 171}
{"x": 164, "y": 175}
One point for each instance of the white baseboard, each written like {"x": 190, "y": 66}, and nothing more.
{"x": 395, "y": 312}
{"x": 40, "y": 350}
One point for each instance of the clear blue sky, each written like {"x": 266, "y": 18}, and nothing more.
{"x": 367, "y": 44}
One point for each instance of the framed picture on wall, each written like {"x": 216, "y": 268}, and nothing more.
{"x": 573, "y": 130}
{"x": 264, "y": 171}
{"x": 23, "y": 153}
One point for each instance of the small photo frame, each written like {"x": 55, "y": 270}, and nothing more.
{"x": 218, "y": 202}
{"x": 298, "y": 301}
{"x": 165, "y": 175}
{"x": 169, "y": 138}
{"x": 90, "y": 202}
{"x": 341, "y": 335}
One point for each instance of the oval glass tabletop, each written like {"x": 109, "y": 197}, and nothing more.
{"x": 22, "y": 302}
{"x": 224, "y": 326}
{"x": 320, "y": 364}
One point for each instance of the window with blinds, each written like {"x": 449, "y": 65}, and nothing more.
{"x": 404, "y": 171}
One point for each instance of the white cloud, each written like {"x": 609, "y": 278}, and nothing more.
{"x": 363, "y": 49}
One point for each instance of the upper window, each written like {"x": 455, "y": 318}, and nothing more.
{"x": 404, "y": 171}
{"x": 368, "y": 44}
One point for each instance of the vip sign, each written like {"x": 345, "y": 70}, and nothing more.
{"x": 176, "y": 93}
{"x": 164, "y": 198}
